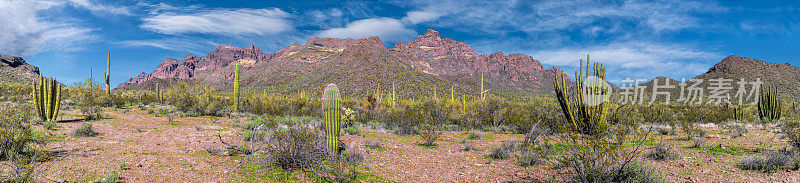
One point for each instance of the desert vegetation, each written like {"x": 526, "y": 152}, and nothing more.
{"x": 331, "y": 136}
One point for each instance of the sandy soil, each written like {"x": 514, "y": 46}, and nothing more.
{"x": 145, "y": 148}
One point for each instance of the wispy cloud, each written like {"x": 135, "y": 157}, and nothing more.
{"x": 388, "y": 29}
{"x": 220, "y": 22}
{"x": 192, "y": 45}
{"x": 25, "y": 33}
{"x": 101, "y": 9}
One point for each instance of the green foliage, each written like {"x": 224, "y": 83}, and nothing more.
{"x": 20, "y": 146}
{"x": 87, "y": 93}
{"x": 332, "y": 109}
{"x": 47, "y": 98}
{"x": 770, "y": 104}
{"x": 590, "y": 120}
{"x": 429, "y": 134}
{"x": 113, "y": 177}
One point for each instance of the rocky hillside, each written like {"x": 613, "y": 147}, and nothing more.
{"x": 359, "y": 65}
{"x": 732, "y": 70}
{"x": 15, "y": 69}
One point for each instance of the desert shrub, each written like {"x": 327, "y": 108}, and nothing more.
{"x": 530, "y": 155}
{"x": 663, "y": 130}
{"x": 88, "y": 93}
{"x": 352, "y": 130}
{"x": 468, "y": 146}
{"x": 505, "y": 150}
{"x": 429, "y": 134}
{"x": 699, "y": 143}
{"x": 373, "y": 144}
{"x": 736, "y": 130}
{"x": 20, "y": 146}
{"x": 85, "y": 130}
{"x": 113, "y": 177}
{"x": 661, "y": 151}
{"x": 791, "y": 131}
{"x": 49, "y": 125}
{"x": 771, "y": 161}
{"x": 296, "y": 148}
{"x": 474, "y": 135}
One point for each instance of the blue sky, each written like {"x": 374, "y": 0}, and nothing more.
{"x": 636, "y": 39}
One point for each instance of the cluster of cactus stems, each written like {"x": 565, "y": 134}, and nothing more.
{"x": 770, "y": 104}
{"x": 107, "y": 74}
{"x": 236, "y": 88}
{"x": 483, "y": 91}
{"x": 47, "y": 98}
{"x": 331, "y": 107}
{"x": 585, "y": 119}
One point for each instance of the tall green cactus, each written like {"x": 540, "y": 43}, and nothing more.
{"x": 483, "y": 91}
{"x": 452, "y": 94}
{"x": 585, "y": 119}
{"x": 47, "y": 98}
{"x": 236, "y": 88}
{"x": 394, "y": 97}
{"x": 770, "y": 104}
{"x": 158, "y": 92}
{"x": 107, "y": 74}
{"x": 331, "y": 106}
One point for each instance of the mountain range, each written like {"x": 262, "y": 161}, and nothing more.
{"x": 428, "y": 63}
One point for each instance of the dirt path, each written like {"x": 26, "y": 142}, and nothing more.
{"x": 147, "y": 148}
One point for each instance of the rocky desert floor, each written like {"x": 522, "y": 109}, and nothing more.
{"x": 144, "y": 148}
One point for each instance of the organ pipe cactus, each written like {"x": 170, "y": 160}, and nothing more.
{"x": 331, "y": 108}
{"x": 107, "y": 74}
{"x": 585, "y": 119}
{"x": 236, "y": 88}
{"x": 47, "y": 98}
{"x": 769, "y": 104}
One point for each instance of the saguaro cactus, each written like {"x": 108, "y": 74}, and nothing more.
{"x": 452, "y": 94}
{"x": 331, "y": 106}
{"x": 47, "y": 98}
{"x": 236, "y": 88}
{"x": 769, "y": 104}
{"x": 107, "y": 74}
{"x": 394, "y": 97}
{"x": 483, "y": 91}
{"x": 586, "y": 119}
{"x": 158, "y": 92}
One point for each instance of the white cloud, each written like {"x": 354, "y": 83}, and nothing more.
{"x": 640, "y": 60}
{"x": 221, "y": 21}
{"x": 415, "y": 17}
{"x": 388, "y": 29}
{"x": 101, "y": 9}
{"x": 25, "y": 33}
{"x": 192, "y": 45}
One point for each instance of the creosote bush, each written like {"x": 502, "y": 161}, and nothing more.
{"x": 20, "y": 147}
{"x": 429, "y": 135}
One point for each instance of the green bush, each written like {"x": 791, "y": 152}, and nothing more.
{"x": 20, "y": 146}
